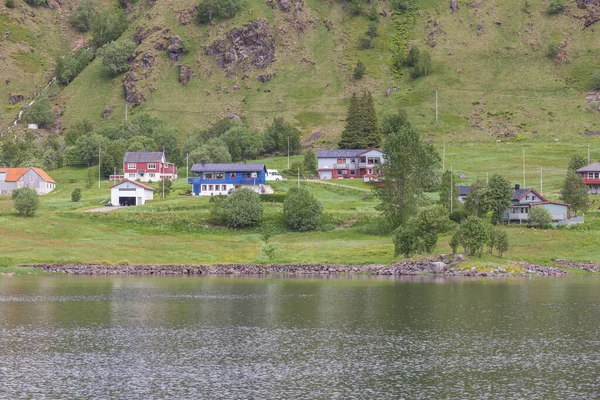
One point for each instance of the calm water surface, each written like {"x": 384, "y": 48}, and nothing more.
{"x": 279, "y": 338}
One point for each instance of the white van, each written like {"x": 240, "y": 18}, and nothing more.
{"x": 273, "y": 175}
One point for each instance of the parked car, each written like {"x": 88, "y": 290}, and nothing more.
{"x": 273, "y": 175}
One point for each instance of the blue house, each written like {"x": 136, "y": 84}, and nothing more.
{"x": 214, "y": 179}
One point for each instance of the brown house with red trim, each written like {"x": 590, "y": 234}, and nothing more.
{"x": 337, "y": 164}
{"x": 591, "y": 177}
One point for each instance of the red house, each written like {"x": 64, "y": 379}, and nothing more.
{"x": 591, "y": 177}
{"x": 148, "y": 167}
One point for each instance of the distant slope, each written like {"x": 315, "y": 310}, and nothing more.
{"x": 490, "y": 67}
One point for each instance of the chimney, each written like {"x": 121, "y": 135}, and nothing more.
{"x": 517, "y": 186}
{"x": 203, "y": 162}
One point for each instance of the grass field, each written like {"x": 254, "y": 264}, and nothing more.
{"x": 178, "y": 230}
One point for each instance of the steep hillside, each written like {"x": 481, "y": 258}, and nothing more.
{"x": 489, "y": 65}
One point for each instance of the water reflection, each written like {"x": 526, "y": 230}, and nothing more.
{"x": 352, "y": 338}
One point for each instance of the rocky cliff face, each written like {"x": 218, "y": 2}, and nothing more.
{"x": 249, "y": 47}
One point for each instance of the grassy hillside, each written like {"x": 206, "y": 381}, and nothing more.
{"x": 494, "y": 82}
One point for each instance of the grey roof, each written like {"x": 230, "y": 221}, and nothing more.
{"x": 339, "y": 153}
{"x": 593, "y": 167}
{"x": 519, "y": 193}
{"x": 227, "y": 167}
{"x": 155, "y": 156}
{"x": 463, "y": 190}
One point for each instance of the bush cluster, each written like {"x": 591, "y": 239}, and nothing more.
{"x": 240, "y": 209}
{"x": 209, "y": 10}
{"x": 26, "y": 201}
{"x": 417, "y": 62}
{"x": 302, "y": 211}
{"x": 115, "y": 56}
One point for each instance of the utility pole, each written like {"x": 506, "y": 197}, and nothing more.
{"x": 444, "y": 159}
{"x": 588, "y": 154}
{"x": 451, "y": 190}
{"x": 541, "y": 182}
{"x": 99, "y": 162}
{"x": 288, "y": 152}
{"x": 524, "y": 168}
{"x": 436, "y": 105}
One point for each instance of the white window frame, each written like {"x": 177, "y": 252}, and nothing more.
{"x": 152, "y": 166}
{"x": 132, "y": 175}
{"x": 152, "y": 175}
{"x": 219, "y": 175}
{"x": 131, "y": 166}
{"x": 208, "y": 176}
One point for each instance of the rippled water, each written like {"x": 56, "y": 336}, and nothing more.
{"x": 250, "y": 338}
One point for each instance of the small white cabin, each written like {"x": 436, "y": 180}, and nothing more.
{"x": 130, "y": 193}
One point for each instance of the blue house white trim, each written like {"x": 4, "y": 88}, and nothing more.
{"x": 215, "y": 179}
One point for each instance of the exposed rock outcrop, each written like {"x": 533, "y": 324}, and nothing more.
{"x": 107, "y": 111}
{"x": 15, "y": 98}
{"x": 265, "y": 78}
{"x": 185, "y": 74}
{"x": 133, "y": 94}
{"x": 175, "y": 49}
{"x": 453, "y": 6}
{"x": 249, "y": 47}
{"x": 186, "y": 16}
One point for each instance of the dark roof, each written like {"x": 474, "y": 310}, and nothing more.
{"x": 228, "y": 167}
{"x": 155, "y": 156}
{"x": 339, "y": 153}
{"x": 593, "y": 167}
{"x": 517, "y": 194}
{"x": 463, "y": 190}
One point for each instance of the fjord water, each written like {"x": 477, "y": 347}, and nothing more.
{"x": 275, "y": 338}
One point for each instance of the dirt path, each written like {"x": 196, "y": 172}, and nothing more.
{"x": 102, "y": 209}
{"x": 338, "y": 184}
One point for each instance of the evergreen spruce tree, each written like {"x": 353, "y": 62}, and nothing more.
{"x": 352, "y": 129}
{"x": 362, "y": 128}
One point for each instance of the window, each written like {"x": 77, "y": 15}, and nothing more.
{"x": 370, "y": 171}
{"x": 220, "y": 175}
{"x": 340, "y": 172}
{"x": 224, "y": 188}
{"x": 232, "y": 175}
{"x": 131, "y": 166}
{"x": 591, "y": 175}
{"x": 132, "y": 175}
{"x": 526, "y": 210}
{"x": 210, "y": 188}
{"x": 597, "y": 175}
{"x": 363, "y": 159}
{"x": 151, "y": 166}
{"x": 248, "y": 175}
{"x": 208, "y": 175}
{"x": 204, "y": 187}
{"x": 152, "y": 175}
{"x": 341, "y": 161}
{"x": 352, "y": 172}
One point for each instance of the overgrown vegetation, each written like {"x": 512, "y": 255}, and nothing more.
{"x": 209, "y": 10}
{"x": 83, "y": 15}
{"x": 40, "y": 112}
{"x": 302, "y": 211}
{"x": 26, "y": 201}
{"x": 115, "y": 56}
{"x": 240, "y": 209}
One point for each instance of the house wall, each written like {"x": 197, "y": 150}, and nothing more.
{"x": 128, "y": 189}
{"x": 167, "y": 170}
{"x": 325, "y": 174}
{"x": 558, "y": 211}
{"x": 212, "y": 187}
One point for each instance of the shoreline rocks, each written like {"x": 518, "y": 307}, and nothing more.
{"x": 420, "y": 267}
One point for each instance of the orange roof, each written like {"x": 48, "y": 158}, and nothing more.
{"x": 14, "y": 174}
{"x": 135, "y": 183}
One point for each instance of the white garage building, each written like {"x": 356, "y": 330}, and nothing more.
{"x": 130, "y": 193}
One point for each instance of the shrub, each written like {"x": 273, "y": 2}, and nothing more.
{"x": 553, "y": 49}
{"x": 595, "y": 84}
{"x": 83, "y": 15}
{"x": 359, "y": 70}
{"x": 76, "y": 195}
{"x": 26, "y": 201}
{"x": 166, "y": 184}
{"x": 301, "y": 211}
{"x": 310, "y": 161}
{"x": 115, "y": 57}
{"x": 501, "y": 241}
{"x": 68, "y": 66}
{"x": 555, "y": 7}
{"x": 356, "y": 7}
{"x": 36, "y": 2}
{"x": 40, "y": 112}
{"x": 422, "y": 67}
{"x": 109, "y": 26}
{"x": 241, "y": 208}
{"x": 526, "y": 8}
{"x": 9, "y": 3}
{"x": 472, "y": 235}
{"x": 216, "y": 9}
{"x": 539, "y": 217}
{"x": 365, "y": 42}
{"x": 405, "y": 241}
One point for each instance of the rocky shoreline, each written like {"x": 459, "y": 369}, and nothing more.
{"x": 437, "y": 266}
